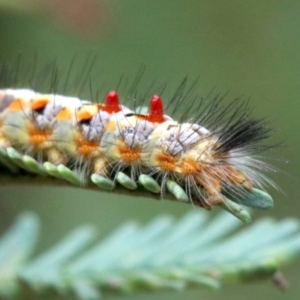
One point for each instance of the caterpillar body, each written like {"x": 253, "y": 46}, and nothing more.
{"x": 105, "y": 138}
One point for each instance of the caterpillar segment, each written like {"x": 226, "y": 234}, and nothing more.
{"x": 15, "y": 117}
{"x": 185, "y": 152}
{"x": 82, "y": 133}
{"x": 126, "y": 144}
{"x": 29, "y": 122}
{"x": 45, "y": 109}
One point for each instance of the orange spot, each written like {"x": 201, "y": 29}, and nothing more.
{"x": 83, "y": 115}
{"x": 129, "y": 155}
{"x": 85, "y": 147}
{"x": 189, "y": 166}
{"x": 38, "y": 136}
{"x": 64, "y": 114}
{"x": 17, "y": 105}
{"x": 37, "y": 104}
{"x": 166, "y": 162}
{"x": 87, "y": 112}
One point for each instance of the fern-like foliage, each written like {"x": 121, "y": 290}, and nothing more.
{"x": 195, "y": 251}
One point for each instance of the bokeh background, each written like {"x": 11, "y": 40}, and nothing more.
{"x": 249, "y": 48}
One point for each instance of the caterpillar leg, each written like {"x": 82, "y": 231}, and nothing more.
{"x": 100, "y": 166}
{"x": 56, "y": 157}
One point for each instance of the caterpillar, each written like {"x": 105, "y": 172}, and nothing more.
{"x": 205, "y": 156}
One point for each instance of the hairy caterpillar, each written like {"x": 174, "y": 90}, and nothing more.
{"x": 205, "y": 156}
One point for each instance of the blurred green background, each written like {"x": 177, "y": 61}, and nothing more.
{"x": 249, "y": 48}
